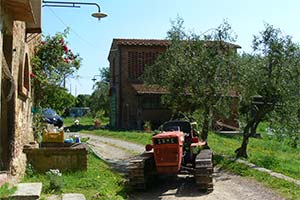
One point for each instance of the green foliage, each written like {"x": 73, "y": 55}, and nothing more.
{"x": 99, "y": 100}
{"x": 197, "y": 70}
{"x": 105, "y": 74}
{"x": 57, "y": 98}
{"x": 55, "y": 184}
{"x": 83, "y": 100}
{"x": 271, "y": 73}
{"x": 53, "y": 63}
{"x": 30, "y": 170}
{"x": 267, "y": 161}
{"x": 6, "y": 190}
{"x": 147, "y": 124}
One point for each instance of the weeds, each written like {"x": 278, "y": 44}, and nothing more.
{"x": 55, "y": 184}
{"x": 6, "y": 191}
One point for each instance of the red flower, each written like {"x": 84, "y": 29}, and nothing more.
{"x": 43, "y": 42}
{"x": 67, "y": 60}
{"x": 32, "y": 75}
{"x": 62, "y": 40}
{"x": 65, "y": 48}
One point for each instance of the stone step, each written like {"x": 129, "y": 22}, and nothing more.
{"x": 27, "y": 191}
{"x": 68, "y": 196}
{"x": 73, "y": 196}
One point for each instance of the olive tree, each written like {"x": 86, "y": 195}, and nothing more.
{"x": 269, "y": 84}
{"x": 197, "y": 70}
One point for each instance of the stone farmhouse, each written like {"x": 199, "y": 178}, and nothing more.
{"x": 20, "y": 24}
{"x": 132, "y": 102}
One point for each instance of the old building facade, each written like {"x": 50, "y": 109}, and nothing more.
{"x": 132, "y": 102}
{"x": 20, "y": 25}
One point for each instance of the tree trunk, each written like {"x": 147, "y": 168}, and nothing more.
{"x": 205, "y": 125}
{"x": 254, "y": 127}
{"x": 242, "y": 151}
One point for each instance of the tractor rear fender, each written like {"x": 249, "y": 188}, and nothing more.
{"x": 197, "y": 146}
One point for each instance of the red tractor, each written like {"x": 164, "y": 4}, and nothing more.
{"x": 176, "y": 149}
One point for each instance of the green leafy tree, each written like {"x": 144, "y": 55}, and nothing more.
{"x": 99, "y": 100}
{"x": 269, "y": 85}
{"x": 59, "y": 100}
{"x": 83, "y": 100}
{"x": 105, "y": 74}
{"x": 53, "y": 64}
{"x": 197, "y": 70}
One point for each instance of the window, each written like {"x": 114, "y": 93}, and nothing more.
{"x": 23, "y": 78}
{"x": 151, "y": 102}
{"x": 137, "y": 62}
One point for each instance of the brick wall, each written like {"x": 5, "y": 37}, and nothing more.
{"x": 129, "y": 63}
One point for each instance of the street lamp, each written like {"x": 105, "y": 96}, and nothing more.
{"x": 99, "y": 15}
{"x": 94, "y": 78}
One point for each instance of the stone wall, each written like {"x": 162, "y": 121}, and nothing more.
{"x": 62, "y": 158}
{"x": 23, "y": 116}
{"x": 16, "y": 53}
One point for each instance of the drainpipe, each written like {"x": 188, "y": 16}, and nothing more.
{"x": 120, "y": 89}
{"x": 1, "y": 50}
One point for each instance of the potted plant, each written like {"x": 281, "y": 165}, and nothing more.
{"x": 147, "y": 126}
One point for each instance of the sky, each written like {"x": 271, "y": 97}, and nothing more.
{"x": 151, "y": 19}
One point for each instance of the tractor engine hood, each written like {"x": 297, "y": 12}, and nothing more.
{"x": 168, "y": 151}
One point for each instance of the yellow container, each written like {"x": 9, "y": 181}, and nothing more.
{"x": 53, "y": 137}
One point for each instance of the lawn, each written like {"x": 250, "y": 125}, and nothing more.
{"x": 85, "y": 121}
{"x": 98, "y": 182}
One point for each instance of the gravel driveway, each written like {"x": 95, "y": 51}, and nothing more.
{"x": 226, "y": 186}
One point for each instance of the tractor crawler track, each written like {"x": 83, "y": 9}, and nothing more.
{"x": 140, "y": 171}
{"x": 204, "y": 170}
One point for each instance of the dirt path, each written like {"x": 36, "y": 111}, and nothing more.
{"x": 226, "y": 186}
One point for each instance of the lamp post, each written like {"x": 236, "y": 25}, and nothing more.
{"x": 99, "y": 15}
{"x": 94, "y": 78}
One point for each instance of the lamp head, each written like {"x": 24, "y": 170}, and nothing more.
{"x": 99, "y": 15}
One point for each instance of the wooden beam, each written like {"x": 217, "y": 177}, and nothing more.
{"x": 20, "y": 10}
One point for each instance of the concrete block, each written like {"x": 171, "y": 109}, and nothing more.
{"x": 27, "y": 191}
{"x": 73, "y": 196}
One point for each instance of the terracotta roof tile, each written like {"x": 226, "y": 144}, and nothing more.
{"x": 157, "y": 42}
{"x": 142, "y": 42}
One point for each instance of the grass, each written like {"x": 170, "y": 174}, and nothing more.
{"x": 84, "y": 121}
{"x": 98, "y": 182}
{"x": 266, "y": 152}
{"x": 6, "y": 190}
